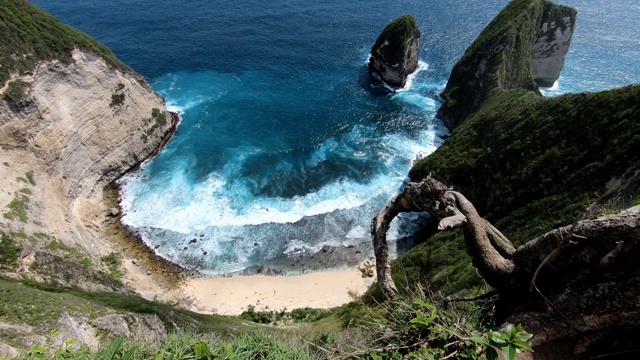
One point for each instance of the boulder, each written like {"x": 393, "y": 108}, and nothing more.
{"x": 394, "y": 56}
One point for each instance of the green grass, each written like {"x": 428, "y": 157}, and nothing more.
{"x": 40, "y": 305}
{"x": 30, "y": 35}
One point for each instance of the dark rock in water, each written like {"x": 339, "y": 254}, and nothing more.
{"x": 394, "y": 56}
{"x": 326, "y": 248}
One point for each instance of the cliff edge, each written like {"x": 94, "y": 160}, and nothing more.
{"x": 394, "y": 55}
{"x": 72, "y": 119}
{"x": 522, "y": 48}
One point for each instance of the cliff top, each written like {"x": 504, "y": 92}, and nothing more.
{"x": 29, "y": 35}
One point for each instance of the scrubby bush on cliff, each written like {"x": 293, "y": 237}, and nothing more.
{"x": 30, "y": 35}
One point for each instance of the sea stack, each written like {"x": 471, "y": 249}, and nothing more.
{"x": 394, "y": 56}
{"x": 553, "y": 38}
{"x": 521, "y": 49}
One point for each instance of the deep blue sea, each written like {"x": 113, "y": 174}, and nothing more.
{"x": 286, "y": 144}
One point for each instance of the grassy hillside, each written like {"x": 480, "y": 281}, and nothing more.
{"x": 29, "y": 35}
{"x": 530, "y": 165}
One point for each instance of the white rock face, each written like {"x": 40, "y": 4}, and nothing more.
{"x": 73, "y": 138}
{"x": 553, "y": 39}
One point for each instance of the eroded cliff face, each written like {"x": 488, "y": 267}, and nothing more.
{"x": 72, "y": 129}
{"x": 394, "y": 56}
{"x": 522, "y": 48}
{"x": 552, "y": 43}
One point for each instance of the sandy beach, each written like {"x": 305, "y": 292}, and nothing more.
{"x": 232, "y": 295}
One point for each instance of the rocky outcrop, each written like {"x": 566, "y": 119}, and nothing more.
{"x": 552, "y": 43}
{"x": 394, "y": 56}
{"x": 522, "y": 48}
{"x": 78, "y": 127}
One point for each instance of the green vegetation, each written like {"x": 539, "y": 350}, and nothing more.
{"x": 41, "y": 305}
{"x": 283, "y": 317}
{"x": 500, "y": 58}
{"x": 530, "y": 165}
{"x": 16, "y": 91}
{"x": 29, "y": 176}
{"x": 9, "y": 251}
{"x": 158, "y": 119}
{"x": 414, "y": 328}
{"x": 184, "y": 346}
{"x": 18, "y": 208}
{"x": 30, "y": 35}
{"x": 72, "y": 251}
{"x": 113, "y": 261}
{"x": 116, "y": 100}
{"x": 397, "y": 33}
{"x": 411, "y": 327}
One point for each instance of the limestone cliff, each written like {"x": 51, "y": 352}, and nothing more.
{"x": 394, "y": 56}
{"x": 69, "y": 125}
{"x": 522, "y": 48}
{"x": 552, "y": 43}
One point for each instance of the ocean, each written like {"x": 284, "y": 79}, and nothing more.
{"x": 285, "y": 144}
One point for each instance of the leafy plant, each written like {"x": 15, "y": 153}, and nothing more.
{"x": 117, "y": 99}
{"x": 418, "y": 329}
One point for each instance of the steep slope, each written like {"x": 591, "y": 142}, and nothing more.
{"x": 72, "y": 119}
{"x": 527, "y": 163}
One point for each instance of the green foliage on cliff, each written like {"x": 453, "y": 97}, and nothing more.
{"x": 9, "y": 251}
{"x": 500, "y": 58}
{"x": 397, "y": 33}
{"x": 29, "y": 35}
{"x": 532, "y": 164}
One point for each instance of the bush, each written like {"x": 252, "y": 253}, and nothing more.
{"x": 9, "y": 251}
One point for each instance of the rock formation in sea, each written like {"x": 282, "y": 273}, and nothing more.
{"x": 394, "y": 56}
{"x": 552, "y": 43}
{"x": 522, "y": 48}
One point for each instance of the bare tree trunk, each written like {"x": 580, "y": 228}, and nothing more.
{"x": 487, "y": 246}
{"x": 578, "y": 285}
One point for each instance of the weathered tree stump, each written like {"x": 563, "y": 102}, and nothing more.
{"x": 577, "y": 284}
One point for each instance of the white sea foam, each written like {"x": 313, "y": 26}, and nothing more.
{"x": 422, "y": 66}
{"x": 552, "y": 91}
{"x": 236, "y": 228}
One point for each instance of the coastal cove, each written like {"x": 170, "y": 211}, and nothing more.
{"x": 222, "y": 182}
{"x": 256, "y": 191}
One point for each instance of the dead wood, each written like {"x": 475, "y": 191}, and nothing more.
{"x": 576, "y": 284}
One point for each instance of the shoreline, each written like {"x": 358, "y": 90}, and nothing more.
{"x": 233, "y": 295}
{"x": 321, "y": 281}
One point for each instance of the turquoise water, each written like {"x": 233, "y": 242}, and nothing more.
{"x": 286, "y": 144}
